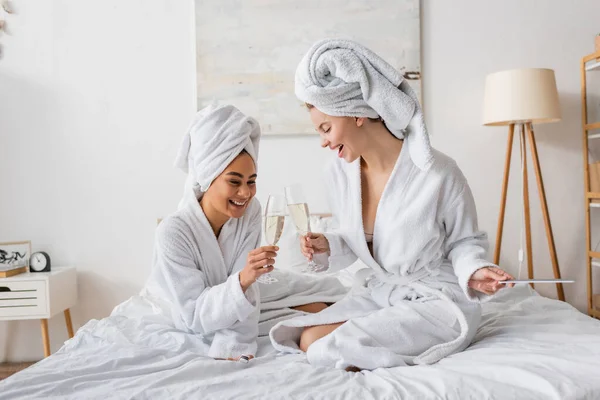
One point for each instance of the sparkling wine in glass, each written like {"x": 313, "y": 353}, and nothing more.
{"x": 274, "y": 219}
{"x": 298, "y": 208}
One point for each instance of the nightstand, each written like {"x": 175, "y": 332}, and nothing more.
{"x": 39, "y": 295}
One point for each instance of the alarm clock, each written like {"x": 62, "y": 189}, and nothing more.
{"x": 39, "y": 262}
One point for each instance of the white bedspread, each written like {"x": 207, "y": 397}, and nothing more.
{"x": 527, "y": 347}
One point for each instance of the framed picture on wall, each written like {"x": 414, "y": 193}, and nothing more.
{"x": 14, "y": 255}
{"x": 247, "y": 52}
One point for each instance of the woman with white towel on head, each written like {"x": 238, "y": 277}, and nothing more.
{"x": 403, "y": 208}
{"x": 207, "y": 254}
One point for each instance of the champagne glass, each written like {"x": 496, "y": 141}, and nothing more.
{"x": 298, "y": 208}
{"x": 273, "y": 226}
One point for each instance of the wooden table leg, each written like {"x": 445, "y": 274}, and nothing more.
{"x": 526, "y": 206}
{"x": 45, "y": 337}
{"x": 542, "y": 192}
{"x": 511, "y": 131}
{"x": 69, "y": 322}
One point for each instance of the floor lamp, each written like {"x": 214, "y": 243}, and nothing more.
{"x": 520, "y": 98}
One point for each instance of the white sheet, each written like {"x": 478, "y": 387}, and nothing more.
{"x": 527, "y": 347}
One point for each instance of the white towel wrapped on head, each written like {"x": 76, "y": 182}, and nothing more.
{"x": 217, "y": 135}
{"x": 343, "y": 78}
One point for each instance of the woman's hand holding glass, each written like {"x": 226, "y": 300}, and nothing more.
{"x": 313, "y": 243}
{"x": 260, "y": 261}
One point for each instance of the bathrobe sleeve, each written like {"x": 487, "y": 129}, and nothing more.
{"x": 340, "y": 254}
{"x": 203, "y": 309}
{"x": 465, "y": 246}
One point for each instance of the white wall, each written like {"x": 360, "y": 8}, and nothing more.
{"x": 462, "y": 42}
{"x": 94, "y": 97}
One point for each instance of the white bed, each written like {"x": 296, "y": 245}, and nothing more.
{"x": 528, "y": 347}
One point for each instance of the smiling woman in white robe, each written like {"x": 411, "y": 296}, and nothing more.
{"x": 403, "y": 208}
{"x": 207, "y": 255}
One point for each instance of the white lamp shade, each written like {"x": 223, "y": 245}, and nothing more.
{"x": 520, "y": 95}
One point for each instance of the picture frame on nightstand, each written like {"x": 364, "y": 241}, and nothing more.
{"x": 14, "y": 257}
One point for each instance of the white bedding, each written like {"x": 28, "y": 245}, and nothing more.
{"x": 527, "y": 347}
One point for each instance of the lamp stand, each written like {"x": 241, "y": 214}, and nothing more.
{"x": 526, "y": 130}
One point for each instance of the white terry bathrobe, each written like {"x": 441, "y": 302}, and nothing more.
{"x": 412, "y": 304}
{"x": 195, "y": 275}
